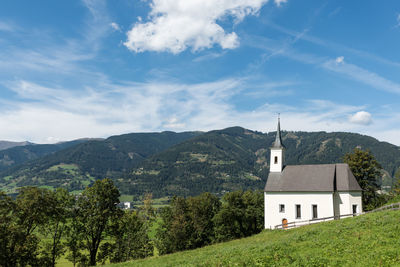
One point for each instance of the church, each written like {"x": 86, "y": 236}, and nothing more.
{"x": 296, "y": 193}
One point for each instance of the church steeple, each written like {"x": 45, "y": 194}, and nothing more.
{"x": 278, "y": 140}
{"x": 277, "y": 151}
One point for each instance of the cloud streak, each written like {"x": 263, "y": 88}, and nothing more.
{"x": 6, "y": 27}
{"x": 362, "y": 75}
{"x": 42, "y": 114}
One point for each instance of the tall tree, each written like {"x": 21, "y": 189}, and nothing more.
{"x": 396, "y": 183}
{"x": 367, "y": 171}
{"x": 74, "y": 238}
{"x": 176, "y": 228}
{"x": 147, "y": 210}
{"x": 129, "y": 239}
{"x": 202, "y": 209}
{"x": 97, "y": 209}
{"x": 18, "y": 221}
{"x": 60, "y": 204}
{"x": 241, "y": 215}
{"x": 10, "y": 233}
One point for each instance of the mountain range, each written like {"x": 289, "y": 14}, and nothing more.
{"x": 187, "y": 163}
{"x": 10, "y": 144}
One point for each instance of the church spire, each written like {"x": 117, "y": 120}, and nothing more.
{"x": 277, "y": 152}
{"x": 278, "y": 140}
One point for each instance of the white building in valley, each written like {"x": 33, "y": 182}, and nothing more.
{"x": 306, "y": 192}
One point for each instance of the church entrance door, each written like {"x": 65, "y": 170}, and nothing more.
{"x": 284, "y": 224}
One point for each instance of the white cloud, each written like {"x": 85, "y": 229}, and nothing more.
{"x": 333, "y": 46}
{"x": 362, "y": 75}
{"x": 51, "y": 57}
{"x": 44, "y": 114}
{"x": 115, "y": 26}
{"x": 398, "y": 20}
{"x": 361, "y": 117}
{"x": 339, "y": 60}
{"x": 173, "y": 123}
{"x": 176, "y": 25}
{"x": 6, "y": 27}
{"x": 279, "y": 2}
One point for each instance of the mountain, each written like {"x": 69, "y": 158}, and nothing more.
{"x": 236, "y": 158}
{"x": 22, "y": 153}
{"x": 76, "y": 166}
{"x": 189, "y": 163}
{"x": 9, "y": 144}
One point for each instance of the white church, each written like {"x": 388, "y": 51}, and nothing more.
{"x": 295, "y": 193}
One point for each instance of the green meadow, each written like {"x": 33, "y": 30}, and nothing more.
{"x": 367, "y": 240}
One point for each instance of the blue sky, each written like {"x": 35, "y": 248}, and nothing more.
{"x": 93, "y": 68}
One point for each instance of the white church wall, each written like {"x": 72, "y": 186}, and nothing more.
{"x": 347, "y": 200}
{"x": 336, "y": 203}
{"x": 272, "y": 200}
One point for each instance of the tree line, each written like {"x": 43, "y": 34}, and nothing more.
{"x": 41, "y": 225}
{"x": 203, "y": 220}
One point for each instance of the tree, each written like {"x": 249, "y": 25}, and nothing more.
{"x": 18, "y": 221}
{"x": 147, "y": 209}
{"x": 176, "y": 227}
{"x": 367, "y": 171}
{"x": 10, "y": 233}
{"x": 74, "y": 238}
{"x": 202, "y": 209}
{"x": 58, "y": 212}
{"x": 97, "y": 208}
{"x": 254, "y": 213}
{"x": 241, "y": 215}
{"x": 130, "y": 239}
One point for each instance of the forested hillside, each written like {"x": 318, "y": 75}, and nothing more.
{"x": 81, "y": 163}
{"x": 9, "y": 144}
{"x": 188, "y": 163}
{"x": 236, "y": 158}
{"x": 26, "y": 151}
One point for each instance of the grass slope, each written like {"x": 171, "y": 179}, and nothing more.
{"x": 368, "y": 240}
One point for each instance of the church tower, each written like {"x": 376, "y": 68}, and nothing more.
{"x": 277, "y": 152}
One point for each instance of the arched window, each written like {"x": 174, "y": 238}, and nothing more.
{"x": 276, "y": 160}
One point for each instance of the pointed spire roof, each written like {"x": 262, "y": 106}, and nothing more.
{"x": 278, "y": 140}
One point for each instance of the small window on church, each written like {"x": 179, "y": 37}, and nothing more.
{"x": 314, "y": 211}
{"x": 276, "y": 160}
{"x": 298, "y": 211}
{"x": 354, "y": 209}
{"x": 281, "y": 208}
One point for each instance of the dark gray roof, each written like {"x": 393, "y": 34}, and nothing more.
{"x": 278, "y": 140}
{"x": 315, "y": 178}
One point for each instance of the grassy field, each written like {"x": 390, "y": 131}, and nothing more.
{"x": 368, "y": 240}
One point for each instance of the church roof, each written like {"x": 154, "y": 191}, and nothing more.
{"x": 278, "y": 140}
{"x": 314, "y": 178}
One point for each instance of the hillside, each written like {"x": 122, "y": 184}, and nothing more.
{"x": 188, "y": 163}
{"x": 236, "y": 158}
{"x": 9, "y": 144}
{"x": 368, "y": 240}
{"x": 79, "y": 164}
{"x": 26, "y": 151}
